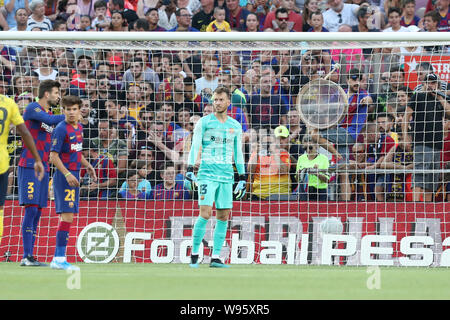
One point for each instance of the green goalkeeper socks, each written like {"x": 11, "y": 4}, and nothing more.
{"x": 198, "y": 233}
{"x": 220, "y": 232}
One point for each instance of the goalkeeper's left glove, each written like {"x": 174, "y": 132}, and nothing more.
{"x": 239, "y": 191}
{"x": 190, "y": 181}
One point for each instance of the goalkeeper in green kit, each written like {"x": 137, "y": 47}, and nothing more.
{"x": 218, "y": 136}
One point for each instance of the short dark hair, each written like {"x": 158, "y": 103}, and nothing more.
{"x": 68, "y": 101}
{"x": 120, "y": 3}
{"x": 281, "y": 10}
{"x": 394, "y": 9}
{"x": 386, "y": 115}
{"x": 434, "y": 15}
{"x": 47, "y": 86}
{"x": 142, "y": 24}
{"x": 405, "y": 2}
{"x": 150, "y": 10}
{"x": 100, "y": 4}
{"x": 222, "y": 89}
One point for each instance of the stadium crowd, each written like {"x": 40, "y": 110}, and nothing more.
{"x": 140, "y": 106}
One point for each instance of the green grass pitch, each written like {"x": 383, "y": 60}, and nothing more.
{"x": 259, "y": 282}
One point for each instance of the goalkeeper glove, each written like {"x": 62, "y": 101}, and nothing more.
{"x": 190, "y": 181}
{"x": 239, "y": 191}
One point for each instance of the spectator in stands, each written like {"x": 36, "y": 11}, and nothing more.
{"x": 219, "y": 24}
{"x": 209, "y": 79}
{"x": 281, "y": 23}
{"x": 236, "y": 15}
{"x": 184, "y": 128}
{"x": 184, "y": 20}
{"x": 144, "y": 164}
{"x": 133, "y": 100}
{"x": 409, "y": 17}
{"x": 152, "y": 17}
{"x": 339, "y": 13}
{"x": 11, "y": 8}
{"x": 427, "y": 109}
{"x": 170, "y": 189}
{"x": 180, "y": 100}
{"x": 297, "y": 130}
{"x": 363, "y": 15}
{"x": 85, "y": 23}
{"x": 250, "y": 82}
{"x": 37, "y": 19}
{"x": 385, "y": 148}
{"x": 295, "y": 22}
{"x": 143, "y": 7}
{"x": 118, "y": 22}
{"x": 288, "y": 74}
{"x": 83, "y": 68}
{"x": 316, "y": 21}
{"x": 395, "y": 81}
{"x": 132, "y": 190}
{"x": 109, "y": 144}
{"x": 119, "y": 5}
{"x": 312, "y": 182}
{"x": 444, "y": 11}
{"x": 119, "y": 116}
{"x": 191, "y": 94}
{"x": 101, "y": 21}
{"x": 20, "y": 17}
{"x": 205, "y": 16}
{"x": 252, "y": 23}
{"x": 394, "y": 17}
{"x": 137, "y": 72}
{"x": 399, "y": 187}
{"x": 310, "y": 6}
{"x": 265, "y": 108}
{"x": 8, "y": 60}
{"x": 45, "y": 68}
{"x": 105, "y": 170}
{"x": 164, "y": 148}
{"x": 89, "y": 123}
{"x": 268, "y": 169}
{"x": 167, "y": 15}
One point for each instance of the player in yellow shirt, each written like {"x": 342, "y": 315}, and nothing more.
{"x": 10, "y": 114}
{"x": 219, "y": 24}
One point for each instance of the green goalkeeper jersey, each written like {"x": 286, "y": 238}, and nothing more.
{"x": 221, "y": 144}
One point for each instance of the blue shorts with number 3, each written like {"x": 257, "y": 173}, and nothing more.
{"x": 67, "y": 198}
{"x": 31, "y": 190}
{"x": 220, "y": 193}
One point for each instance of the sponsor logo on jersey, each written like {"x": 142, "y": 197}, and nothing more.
{"x": 76, "y": 147}
{"x": 46, "y": 127}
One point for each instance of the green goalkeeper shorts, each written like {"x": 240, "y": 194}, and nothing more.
{"x": 220, "y": 193}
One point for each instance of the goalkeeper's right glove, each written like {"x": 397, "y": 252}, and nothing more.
{"x": 190, "y": 181}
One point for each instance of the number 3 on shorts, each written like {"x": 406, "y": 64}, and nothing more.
{"x": 203, "y": 189}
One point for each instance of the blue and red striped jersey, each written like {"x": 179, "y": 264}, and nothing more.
{"x": 443, "y": 24}
{"x": 68, "y": 142}
{"x": 40, "y": 124}
{"x": 176, "y": 193}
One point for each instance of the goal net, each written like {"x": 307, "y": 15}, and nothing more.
{"x": 346, "y": 141}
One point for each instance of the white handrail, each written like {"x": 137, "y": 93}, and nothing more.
{"x": 225, "y": 36}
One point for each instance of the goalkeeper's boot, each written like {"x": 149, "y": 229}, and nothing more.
{"x": 194, "y": 261}
{"x": 63, "y": 265}
{"x": 216, "y": 263}
{"x": 30, "y": 261}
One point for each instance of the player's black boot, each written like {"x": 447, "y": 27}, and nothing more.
{"x": 194, "y": 261}
{"x": 216, "y": 263}
{"x": 30, "y": 261}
